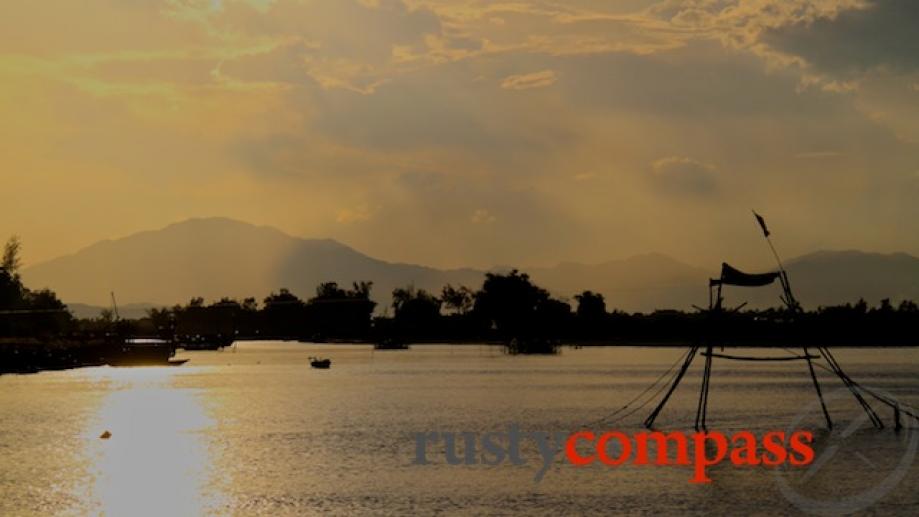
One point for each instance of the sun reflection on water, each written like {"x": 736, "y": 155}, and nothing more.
{"x": 156, "y": 460}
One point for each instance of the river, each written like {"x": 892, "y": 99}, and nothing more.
{"x": 255, "y": 431}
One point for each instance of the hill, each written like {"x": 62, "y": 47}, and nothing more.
{"x": 640, "y": 283}
{"x": 826, "y": 278}
{"x": 217, "y": 257}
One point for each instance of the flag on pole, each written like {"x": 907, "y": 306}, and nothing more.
{"x": 762, "y": 224}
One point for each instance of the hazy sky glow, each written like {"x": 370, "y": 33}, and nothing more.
{"x": 466, "y": 132}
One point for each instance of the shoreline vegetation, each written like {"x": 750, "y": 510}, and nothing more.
{"x": 37, "y": 332}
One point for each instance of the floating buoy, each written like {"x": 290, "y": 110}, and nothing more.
{"x": 105, "y": 436}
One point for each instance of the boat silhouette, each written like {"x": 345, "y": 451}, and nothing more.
{"x": 143, "y": 352}
{"x": 322, "y": 364}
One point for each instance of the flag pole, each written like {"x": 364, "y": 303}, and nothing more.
{"x": 795, "y": 308}
{"x": 776, "y": 255}
{"x": 766, "y": 234}
{"x": 786, "y": 286}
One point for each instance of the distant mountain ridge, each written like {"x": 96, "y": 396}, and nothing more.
{"x": 217, "y": 257}
{"x": 642, "y": 282}
{"x": 833, "y": 277}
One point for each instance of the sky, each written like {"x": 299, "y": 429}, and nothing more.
{"x": 467, "y": 132}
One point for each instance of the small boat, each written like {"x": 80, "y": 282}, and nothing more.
{"x": 323, "y": 364}
{"x": 142, "y": 352}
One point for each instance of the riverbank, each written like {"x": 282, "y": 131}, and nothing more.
{"x": 31, "y": 355}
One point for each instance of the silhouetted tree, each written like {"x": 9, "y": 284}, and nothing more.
{"x": 50, "y": 315}
{"x": 336, "y": 312}
{"x": 458, "y": 300}
{"x": 283, "y": 298}
{"x": 409, "y": 299}
{"x": 329, "y": 291}
{"x": 885, "y": 306}
{"x": 417, "y": 312}
{"x": 553, "y": 317}
{"x": 361, "y": 290}
{"x": 509, "y": 301}
{"x": 11, "y": 291}
{"x": 591, "y": 314}
{"x": 163, "y": 321}
{"x": 11, "y": 256}
{"x": 516, "y": 308}
{"x": 284, "y": 314}
{"x": 591, "y": 306}
{"x": 34, "y": 313}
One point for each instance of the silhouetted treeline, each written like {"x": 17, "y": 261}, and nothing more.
{"x": 507, "y": 308}
{"x": 510, "y": 309}
{"x": 24, "y": 312}
{"x": 332, "y": 313}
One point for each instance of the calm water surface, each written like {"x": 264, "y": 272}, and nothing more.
{"x": 257, "y": 432}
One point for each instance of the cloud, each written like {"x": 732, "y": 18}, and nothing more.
{"x": 392, "y": 125}
{"x": 757, "y": 26}
{"x": 864, "y": 49}
{"x": 539, "y": 79}
{"x": 681, "y": 175}
{"x": 880, "y": 34}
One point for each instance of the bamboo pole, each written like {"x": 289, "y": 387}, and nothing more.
{"x": 649, "y": 422}
{"x": 875, "y": 419}
{"x": 702, "y": 408}
{"x": 810, "y": 366}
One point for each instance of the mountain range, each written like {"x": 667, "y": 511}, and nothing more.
{"x": 217, "y": 257}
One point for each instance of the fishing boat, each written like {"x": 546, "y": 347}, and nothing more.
{"x": 143, "y": 352}
{"x": 138, "y": 351}
{"x": 322, "y": 364}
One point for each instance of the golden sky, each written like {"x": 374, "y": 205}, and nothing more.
{"x": 466, "y": 132}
